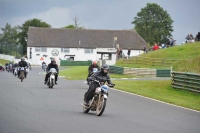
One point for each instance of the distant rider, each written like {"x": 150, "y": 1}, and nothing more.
{"x": 101, "y": 74}
{"x": 22, "y": 63}
{"x": 15, "y": 66}
{"x": 52, "y": 65}
{"x": 91, "y": 67}
{"x": 43, "y": 63}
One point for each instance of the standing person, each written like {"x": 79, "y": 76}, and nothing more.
{"x": 129, "y": 52}
{"x": 120, "y": 52}
{"x": 145, "y": 51}
{"x": 52, "y": 65}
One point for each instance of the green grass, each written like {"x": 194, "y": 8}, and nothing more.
{"x": 81, "y": 72}
{"x": 189, "y": 54}
{"x": 160, "y": 90}
{"x": 3, "y": 62}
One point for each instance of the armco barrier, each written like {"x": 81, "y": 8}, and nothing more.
{"x": 116, "y": 69}
{"x": 74, "y": 63}
{"x": 163, "y": 73}
{"x": 142, "y": 72}
{"x": 188, "y": 81}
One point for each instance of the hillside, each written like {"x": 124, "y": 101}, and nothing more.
{"x": 189, "y": 54}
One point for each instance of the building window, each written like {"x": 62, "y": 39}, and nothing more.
{"x": 65, "y": 50}
{"x": 40, "y": 49}
{"x": 88, "y": 51}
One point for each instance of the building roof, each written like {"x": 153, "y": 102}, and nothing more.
{"x": 84, "y": 38}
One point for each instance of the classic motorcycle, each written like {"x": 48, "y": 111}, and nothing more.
{"x": 10, "y": 68}
{"x": 98, "y": 102}
{"x": 7, "y": 68}
{"x": 22, "y": 73}
{"x": 51, "y": 79}
{"x": 15, "y": 71}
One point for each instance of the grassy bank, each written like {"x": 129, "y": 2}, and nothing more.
{"x": 188, "y": 54}
{"x": 3, "y": 62}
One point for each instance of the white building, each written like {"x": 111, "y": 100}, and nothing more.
{"x": 81, "y": 44}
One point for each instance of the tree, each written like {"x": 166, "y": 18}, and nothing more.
{"x": 153, "y": 23}
{"x": 24, "y": 30}
{"x": 9, "y": 34}
{"x": 71, "y": 26}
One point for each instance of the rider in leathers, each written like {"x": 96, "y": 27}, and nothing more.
{"x": 103, "y": 73}
{"x": 90, "y": 69}
{"x": 52, "y": 65}
{"x": 15, "y": 67}
{"x": 22, "y": 63}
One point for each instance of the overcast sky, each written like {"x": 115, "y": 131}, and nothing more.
{"x": 100, "y": 14}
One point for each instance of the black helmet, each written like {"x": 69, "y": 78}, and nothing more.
{"x": 53, "y": 62}
{"x": 104, "y": 68}
{"x": 22, "y": 59}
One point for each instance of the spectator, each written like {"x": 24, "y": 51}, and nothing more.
{"x": 172, "y": 42}
{"x": 156, "y": 47}
{"x": 189, "y": 38}
{"x": 168, "y": 42}
{"x": 145, "y": 50}
{"x": 163, "y": 46}
{"x": 117, "y": 54}
{"x": 129, "y": 53}
{"x": 120, "y": 53}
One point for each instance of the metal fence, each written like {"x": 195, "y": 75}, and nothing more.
{"x": 140, "y": 71}
{"x": 74, "y": 63}
{"x": 11, "y": 49}
{"x": 188, "y": 81}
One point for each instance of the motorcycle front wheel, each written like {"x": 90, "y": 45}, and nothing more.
{"x": 101, "y": 106}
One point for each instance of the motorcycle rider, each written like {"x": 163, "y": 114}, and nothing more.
{"x": 15, "y": 66}
{"x": 103, "y": 73}
{"x": 43, "y": 63}
{"x": 6, "y": 66}
{"x": 22, "y": 63}
{"x": 90, "y": 69}
{"x": 10, "y": 65}
{"x": 52, "y": 65}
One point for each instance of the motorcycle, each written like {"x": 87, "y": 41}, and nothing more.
{"x": 15, "y": 71}
{"x": 22, "y": 74}
{"x": 98, "y": 102}
{"x": 10, "y": 68}
{"x": 7, "y": 68}
{"x": 51, "y": 79}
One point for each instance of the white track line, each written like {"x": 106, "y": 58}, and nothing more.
{"x": 155, "y": 100}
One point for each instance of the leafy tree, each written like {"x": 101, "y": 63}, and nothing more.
{"x": 24, "y": 30}
{"x": 70, "y": 26}
{"x": 9, "y": 34}
{"x": 73, "y": 27}
{"x": 153, "y": 23}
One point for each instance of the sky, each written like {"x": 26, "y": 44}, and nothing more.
{"x": 100, "y": 14}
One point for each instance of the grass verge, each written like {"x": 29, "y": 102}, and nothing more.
{"x": 3, "y": 62}
{"x": 81, "y": 72}
{"x": 161, "y": 90}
